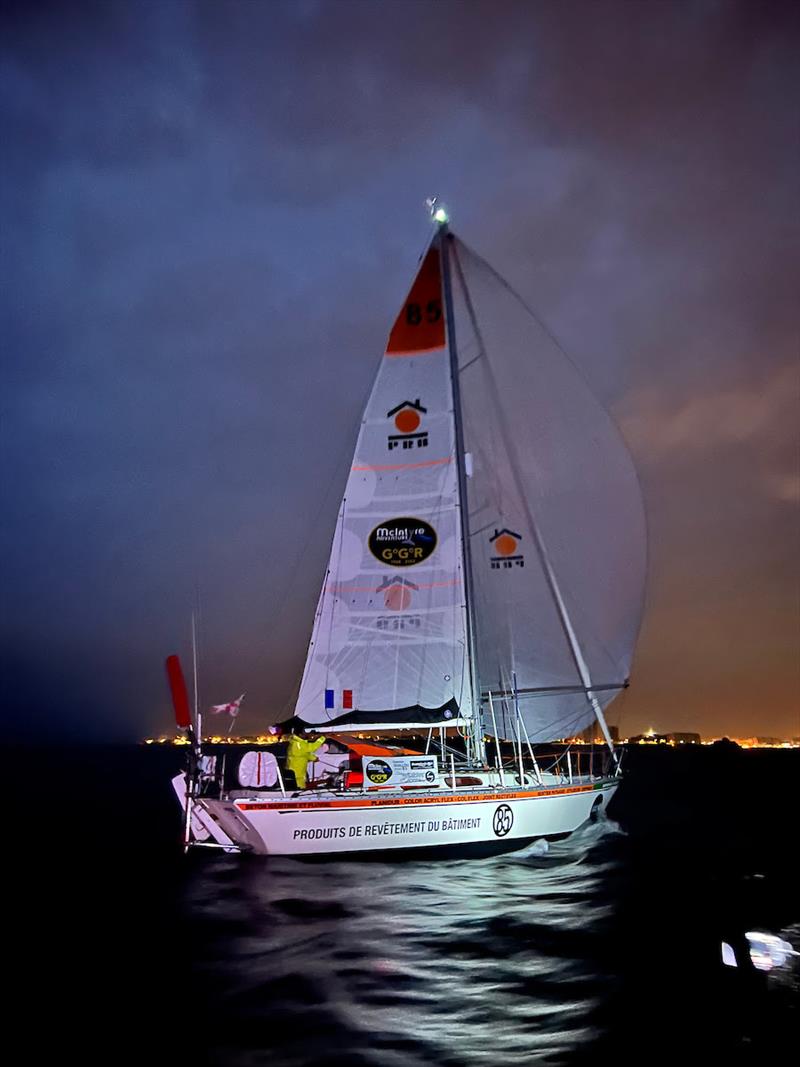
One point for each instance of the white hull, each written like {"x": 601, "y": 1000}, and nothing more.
{"x": 312, "y": 824}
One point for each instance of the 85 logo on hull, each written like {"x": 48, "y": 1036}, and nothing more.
{"x": 503, "y": 820}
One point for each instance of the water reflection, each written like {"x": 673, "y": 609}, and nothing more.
{"x": 412, "y": 963}
{"x": 766, "y": 951}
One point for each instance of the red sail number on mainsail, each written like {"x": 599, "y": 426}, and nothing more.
{"x": 420, "y": 324}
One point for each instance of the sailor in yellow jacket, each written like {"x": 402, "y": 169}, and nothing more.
{"x": 299, "y": 754}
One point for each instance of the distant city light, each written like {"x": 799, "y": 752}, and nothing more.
{"x": 649, "y": 738}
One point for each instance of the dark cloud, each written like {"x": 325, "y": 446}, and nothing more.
{"x": 209, "y": 217}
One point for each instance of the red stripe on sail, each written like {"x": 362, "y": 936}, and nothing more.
{"x": 180, "y": 697}
{"x": 404, "y": 466}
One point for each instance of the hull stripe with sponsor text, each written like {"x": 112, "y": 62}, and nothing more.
{"x": 391, "y": 802}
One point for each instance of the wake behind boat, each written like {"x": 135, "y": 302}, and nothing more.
{"x": 486, "y": 576}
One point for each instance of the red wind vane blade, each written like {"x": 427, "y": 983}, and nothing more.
{"x": 180, "y": 697}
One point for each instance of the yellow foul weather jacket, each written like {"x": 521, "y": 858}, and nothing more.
{"x": 299, "y": 754}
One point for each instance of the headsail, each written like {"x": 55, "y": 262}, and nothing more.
{"x": 555, "y": 515}
{"x": 389, "y": 640}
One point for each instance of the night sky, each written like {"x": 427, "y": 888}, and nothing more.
{"x": 210, "y": 215}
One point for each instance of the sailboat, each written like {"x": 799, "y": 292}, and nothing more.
{"x": 484, "y": 592}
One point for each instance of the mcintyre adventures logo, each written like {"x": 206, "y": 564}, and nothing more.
{"x": 402, "y": 542}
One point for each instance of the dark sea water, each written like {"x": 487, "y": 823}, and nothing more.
{"x": 119, "y": 949}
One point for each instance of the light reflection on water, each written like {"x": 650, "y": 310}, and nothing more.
{"x": 413, "y": 963}
{"x": 606, "y": 949}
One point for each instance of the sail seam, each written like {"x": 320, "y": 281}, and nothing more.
{"x": 415, "y": 352}
{"x": 339, "y": 589}
{"x": 403, "y": 466}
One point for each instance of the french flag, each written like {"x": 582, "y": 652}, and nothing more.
{"x": 347, "y": 699}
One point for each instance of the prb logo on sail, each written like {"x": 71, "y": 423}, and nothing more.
{"x": 398, "y": 595}
{"x": 407, "y": 420}
{"x": 505, "y": 545}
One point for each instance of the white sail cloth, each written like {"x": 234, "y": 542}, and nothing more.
{"x": 557, "y": 534}
{"x": 553, "y": 488}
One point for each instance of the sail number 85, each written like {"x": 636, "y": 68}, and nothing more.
{"x": 416, "y": 314}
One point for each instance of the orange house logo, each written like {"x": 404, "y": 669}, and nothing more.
{"x": 407, "y": 420}
{"x": 505, "y": 544}
{"x": 398, "y": 594}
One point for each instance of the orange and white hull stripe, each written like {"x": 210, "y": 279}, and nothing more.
{"x": 335, "y": 824}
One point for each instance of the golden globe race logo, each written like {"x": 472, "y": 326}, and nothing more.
{"x": 402, "y": 542}
{"x": 378, "y": 771}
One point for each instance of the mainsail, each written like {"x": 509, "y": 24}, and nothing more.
{"x": 389, "y": 644}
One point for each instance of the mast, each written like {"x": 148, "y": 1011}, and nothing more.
{"x": 197, "y": 717}
{"x": 475, "y": 748}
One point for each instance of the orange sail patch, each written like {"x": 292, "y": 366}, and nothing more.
{"x": 420, "y": 324}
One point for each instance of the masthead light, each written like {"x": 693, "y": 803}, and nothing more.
{"x": 437, "y": 210}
